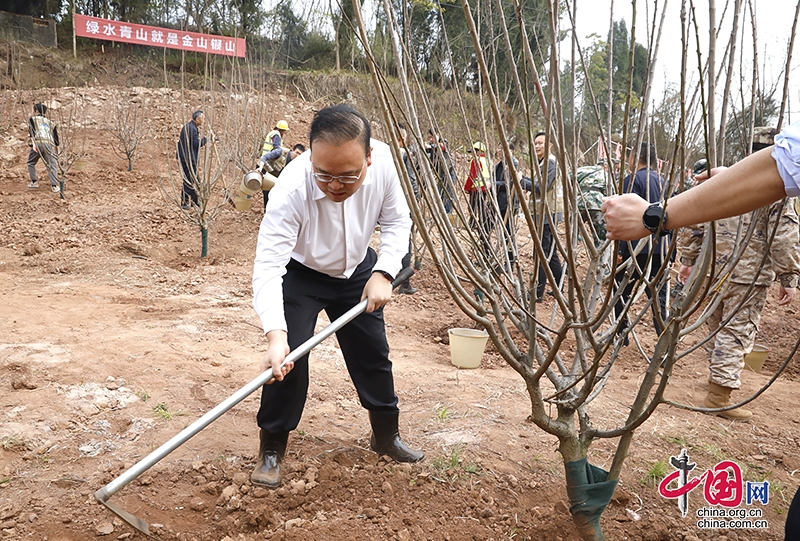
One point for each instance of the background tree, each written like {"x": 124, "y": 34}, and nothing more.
{"x": 565, "y": 351}
{"x": 128, "y": 128}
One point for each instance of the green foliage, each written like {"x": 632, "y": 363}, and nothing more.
{"x": 442, "y": 412}
{"x": 595, "y": 112}
{"x": 656, "y": 473}
{"x": 453, "y": 467}
{"x": 164, "y": 411}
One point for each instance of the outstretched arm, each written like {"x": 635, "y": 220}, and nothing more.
{"x": 748, "y": 185}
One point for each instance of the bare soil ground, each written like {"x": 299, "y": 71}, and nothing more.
{"x": 116, "y": 335}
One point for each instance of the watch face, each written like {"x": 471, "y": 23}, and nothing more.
{"x": 652, "y": 216}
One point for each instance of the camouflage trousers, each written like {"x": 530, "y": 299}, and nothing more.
{"x": 728, "y": 348}
{"x": 595, "y": 224}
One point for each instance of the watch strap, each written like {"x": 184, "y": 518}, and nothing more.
{"x": 385, "y": 274}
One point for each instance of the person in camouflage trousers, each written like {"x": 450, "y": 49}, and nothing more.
{"x": 592, "y": 183}
{"x": 758, "y": 266}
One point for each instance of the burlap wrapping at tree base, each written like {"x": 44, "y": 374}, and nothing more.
{"x": 589, "y": 494}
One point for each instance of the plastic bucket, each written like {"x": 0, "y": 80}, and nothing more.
{"x": 755, "y": 359}
{"x": 79, "y": 165}
{"x": 242, "y": 203}
{"x": 466, "y": 347}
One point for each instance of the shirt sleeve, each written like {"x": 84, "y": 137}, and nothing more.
{"x": 277, "y": 237}
{"x": 276, "y": 151}
{"x": 786, "y": 154}
{"x": 395, "y": 223}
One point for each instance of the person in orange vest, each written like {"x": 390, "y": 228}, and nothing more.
{"x": 477, "y": 186}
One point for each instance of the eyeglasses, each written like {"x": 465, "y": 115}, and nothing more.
{"x": 344, "y": 179}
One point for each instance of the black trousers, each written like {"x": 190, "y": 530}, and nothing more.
{"x": 793, "y": 519}
{"x": 188, "y": 193}
{"x": 553, "y": 261}
{"x": 363, "y": 341}
{"x": 641, "y": 260}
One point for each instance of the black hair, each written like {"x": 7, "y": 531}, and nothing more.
{"x": 299, "y": 146}
{"x": 339, "y": 124}
{"x": 511, "y": 145}
{"x": 197, "y": 114}
{"x": 40, "y": 108}
{"x": 541, "y": 133}
{"x": 647, "y": 155}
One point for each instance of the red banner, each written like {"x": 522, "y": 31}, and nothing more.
{"x": 94, "y": 27}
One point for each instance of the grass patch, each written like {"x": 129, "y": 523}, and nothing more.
{"x": 13, "y": 444}
{"x": 655, "y": 474}
{"x": 453, "y": 467}
{"x": 165, "y": 412}
{"x": 679, "y": 441}
{"x": 443, "y": 413}
{"x": 143, "y": 395}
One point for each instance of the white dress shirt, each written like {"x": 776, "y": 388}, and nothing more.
{"x": 332, "y": 238}
{"x": 787, "y": 156}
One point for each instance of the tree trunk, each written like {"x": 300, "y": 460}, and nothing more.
{"x": 204, "y": 237}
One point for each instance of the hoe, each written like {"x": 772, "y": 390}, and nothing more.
{"x": 179, "y": 439}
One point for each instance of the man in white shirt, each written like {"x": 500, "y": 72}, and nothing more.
{"x": 313, "y": 253}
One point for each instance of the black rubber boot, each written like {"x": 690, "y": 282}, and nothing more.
{"x": 386, "y": 440}
{"x": 270, "y": 454}
{"x": 406, "y": 288}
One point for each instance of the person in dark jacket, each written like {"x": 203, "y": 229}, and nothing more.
{"x": 189, "y": 144}
{"x": 504, "y": 185}
{"x": 554, "y": 205}
{"x": 647, "y": 184}
{"x": 438, "y": 152}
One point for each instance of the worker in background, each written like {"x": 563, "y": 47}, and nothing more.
{"x": 43, "y": 143}
{"x": 273, "y": 155}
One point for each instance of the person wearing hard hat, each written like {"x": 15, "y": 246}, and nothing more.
{"x": 477, "y": 186}
{"x": 273, "y": 155}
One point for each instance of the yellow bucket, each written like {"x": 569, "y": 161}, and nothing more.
{"x": 754, "y": 360}
{"x": 79, "y": 165}
{"x": 466, "y": 347}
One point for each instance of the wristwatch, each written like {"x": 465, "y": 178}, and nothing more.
{"x": 654, "y": 217}
{"x": 385, "y": 275}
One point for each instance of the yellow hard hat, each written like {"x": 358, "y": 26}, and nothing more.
{"x": 282, "y": 125}
{"x": 480, "y": 147}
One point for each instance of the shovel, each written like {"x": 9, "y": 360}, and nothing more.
{"x": 179, "y": 439}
